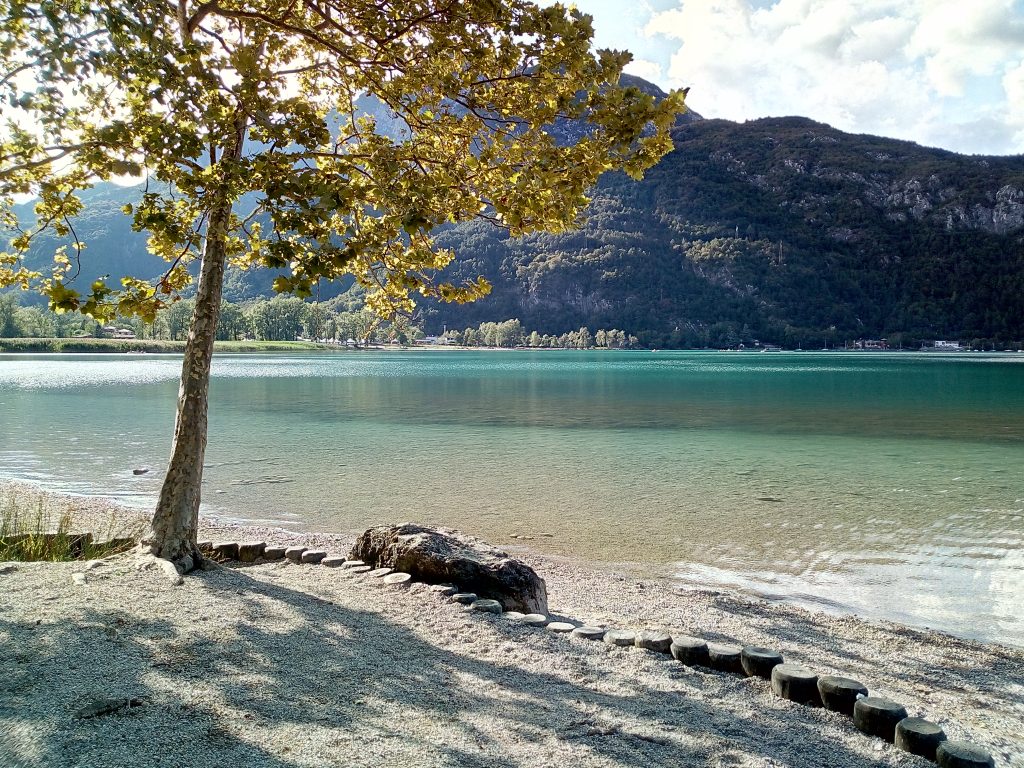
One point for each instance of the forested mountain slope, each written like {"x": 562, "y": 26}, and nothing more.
{"x": 781, "y": 229}
{"x": 797, "y": 231}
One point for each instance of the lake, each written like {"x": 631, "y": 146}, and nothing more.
{"x": 890, "y": 485}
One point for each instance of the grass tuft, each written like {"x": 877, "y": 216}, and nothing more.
{"x": 30, "y": 532}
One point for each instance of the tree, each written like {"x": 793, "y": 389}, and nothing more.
{"x": 254, "y": 125}
{"x": 231, "y": 324}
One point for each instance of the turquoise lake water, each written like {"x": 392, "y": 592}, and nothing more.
{"x": 890, "y": 485}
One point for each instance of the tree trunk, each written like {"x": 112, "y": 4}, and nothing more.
{"x": 176, "y": 520}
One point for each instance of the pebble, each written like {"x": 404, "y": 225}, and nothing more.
{"x": 79, "y": 579}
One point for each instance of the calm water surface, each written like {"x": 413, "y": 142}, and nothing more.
{"x": 889, "y": 485}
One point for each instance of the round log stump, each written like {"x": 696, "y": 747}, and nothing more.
{"x": 795, "y": 683}
{"x": 313, "y": 556}
{"x": 654, "y": 640}
{"x": 691, "y": 651}
{"x": 226, "y": 550}
{"x": 465, "y": 598}
{"x": 725, "y": 658}
{"x": 759, "y": 662}
{"x": 589, "y": 633}
{"x": 251, "y": 551}
{"x": 962, "y": 754}
{"x": 620, "y": 637}
{"x": 561, "y": 627}
{"x": 535, "y": 619}
{"x": 876, "y": 716}
{"x": 447, "y": 590}
{"x": 295, "y": 554}
{"x": 353, "y": 563}
{"x": 397, "y": 579}
{"x": 333, "y": 562}
{"x": 919, "y": 737}
{"x": 839, "y": 694}
{"x": 274, "y": 552}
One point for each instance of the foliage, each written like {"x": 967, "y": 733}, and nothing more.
{"x": 252, "y": 107}
{"x": 32, "y": 532}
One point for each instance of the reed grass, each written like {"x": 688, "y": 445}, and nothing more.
{"x": 31, "y": 531}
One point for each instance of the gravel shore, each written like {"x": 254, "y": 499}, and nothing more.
{"x": 283, "y": 665}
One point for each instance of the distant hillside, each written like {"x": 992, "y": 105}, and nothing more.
{"x": 781, "y": 229}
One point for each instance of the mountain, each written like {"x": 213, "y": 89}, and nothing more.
{"x": 780, "y": 229}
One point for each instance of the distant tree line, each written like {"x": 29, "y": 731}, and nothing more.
{"x": 511, "y": 333}
{"x": 288, "y": 318}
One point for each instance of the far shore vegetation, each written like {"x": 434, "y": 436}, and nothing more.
{"x": 289, "y": 324}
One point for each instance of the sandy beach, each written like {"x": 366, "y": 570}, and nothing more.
{"x": 278, "y": 664}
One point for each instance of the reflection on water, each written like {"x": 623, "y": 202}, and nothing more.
{"x": 889, "y": 485}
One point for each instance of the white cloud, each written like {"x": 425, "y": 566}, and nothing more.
{"x": 647, "y": 69}
{"x": 942, "y": 72}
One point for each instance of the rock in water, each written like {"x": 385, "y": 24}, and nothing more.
{"x": 439, "y": 555}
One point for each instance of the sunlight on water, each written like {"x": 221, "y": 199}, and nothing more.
{"x": 889, "y": 485}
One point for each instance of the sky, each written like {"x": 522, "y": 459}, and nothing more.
{"x": 943, "y": 73}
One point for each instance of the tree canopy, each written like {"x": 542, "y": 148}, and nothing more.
{"x": 244, "y": 119}
{"x": 256, "y": 105}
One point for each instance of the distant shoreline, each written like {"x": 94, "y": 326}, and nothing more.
{"x": 162, "y": 346}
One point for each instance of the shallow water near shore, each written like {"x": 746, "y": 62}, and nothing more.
{"x": 889, "y": 485}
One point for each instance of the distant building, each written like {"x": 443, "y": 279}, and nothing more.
{"x": 947, "y": 346}
{"x": 113, "y": 332}
{"x": 871, "y": 344}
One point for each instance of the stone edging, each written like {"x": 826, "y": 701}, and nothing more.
{"x": 872, "y": 715}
